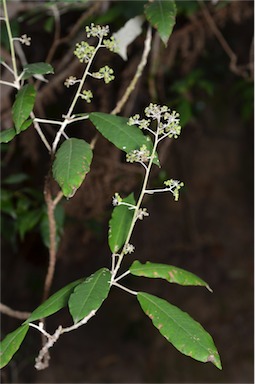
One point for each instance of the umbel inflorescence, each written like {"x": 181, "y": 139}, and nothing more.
{"x": 167, "y": 125}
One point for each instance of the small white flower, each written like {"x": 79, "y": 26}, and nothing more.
{"x": 128, "y": 248}
{"x": 142, "y": 212}
{"x": 24, "y": 39}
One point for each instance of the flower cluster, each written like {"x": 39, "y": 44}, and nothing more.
{"x": 155, "y": 111}
{"x": 111, "y": 44}
{"x": 141, "y": 155}
{"x": 116, "y": 200}
{"x": 135, "y": 120}
{"x": 97, "y": 30}
{"x": 168, "y": 122}
{"x": 170, "y": 125}
{"x": 71, "y": 80}
{"x": 142, "y": 212}
{"x": 174, "y": 186}
{"x": 87, "y": 95}
{"x": 84, "y": 51}
{"x": 128, "y": 248}
{"x": 105, "y": 73}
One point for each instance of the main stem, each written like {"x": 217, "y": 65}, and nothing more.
{"x": 138, "y": 205}
{"x": 9, "y": 32}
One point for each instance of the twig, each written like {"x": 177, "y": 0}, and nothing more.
{"x": 53, "y": 47}
{"x": 139, "y": 71}
{"x": 40, "y": 133}
{"x": 124, "y": 288}
{"x": 42, "y": 361}
{"x": 52, "y": 233}
{"x": 13, "y": 313}
{"x": 9, "y": 84}
{"x": 239, "y": 70}
{"x": 57, "y": 198}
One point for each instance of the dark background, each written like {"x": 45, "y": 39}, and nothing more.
{"x": 209, "y": 231}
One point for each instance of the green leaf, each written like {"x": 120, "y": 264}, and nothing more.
{"x": 28, "y": 220}
{"x": 26, "y": 125}
{"x": 59, "y": 214}
{"x": 54, "y": 303}
{"x": 90, "y": 294}
{"x": 161, "y": 15}
{"x": 8, "y": 134}
{"x": 71, "y": 165}
{"x": 36, "y": 69}
{"x": 23, "y": 105}
{"x": 6, "y": 204}
{"x": 119, "y": 224}
{"x": 11, "y": 343}
{"x": 15, "y": 178}
{"x": 166, "y": 272}
{"x": 186, "y": 334}
{"x": 117, "y": 131}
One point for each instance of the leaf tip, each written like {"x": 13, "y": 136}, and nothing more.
{"x": 215, "y": 360}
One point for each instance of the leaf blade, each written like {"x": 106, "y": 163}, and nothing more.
{"x": 186, "y": 334}
{"x": 54, "y": 303}
{"x": 90, "y": 294}
{"x": 23, "y": 105}
{"x": 8, "y": 134}
{"x": 39, "y": 68}
{"x": 167, "y": 272}
{"x": 125, "y": 137}
{"x": 71, "y": 165}
{"x": 119, "y": 224}
{"x": 161, "y": 15}
{"x": 11, "y": 343}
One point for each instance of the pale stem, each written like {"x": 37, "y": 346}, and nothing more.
{"x": 151, "y": 131}
{"x": 145, "y": 182}
{"x": 58, "y": 198}
{"x": 78, "y": 119}
{"x": 39, "y": 131}
{"x": 151, "y": 191}
{"x": 131, "y": 206}
{"x": 55, "y": 336}
{"x": 124, "y": 288}
{"x": 144, "y": 165}
{"x": 40, "y": 329}
{"x": 14, "y": 85}
{"x": 164, "y": 136}
{"x": 80, "y": 323}
{"x": 76, "y": 97}
{"x": 7, "y": 67}
{"x": 46, "y": 121}
{"x": 13, "y": 313}
{"x": 10, "y": 37}
{"x": 121, "y": 276}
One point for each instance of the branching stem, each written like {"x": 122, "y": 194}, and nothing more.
{"x": 76, "y": 97}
